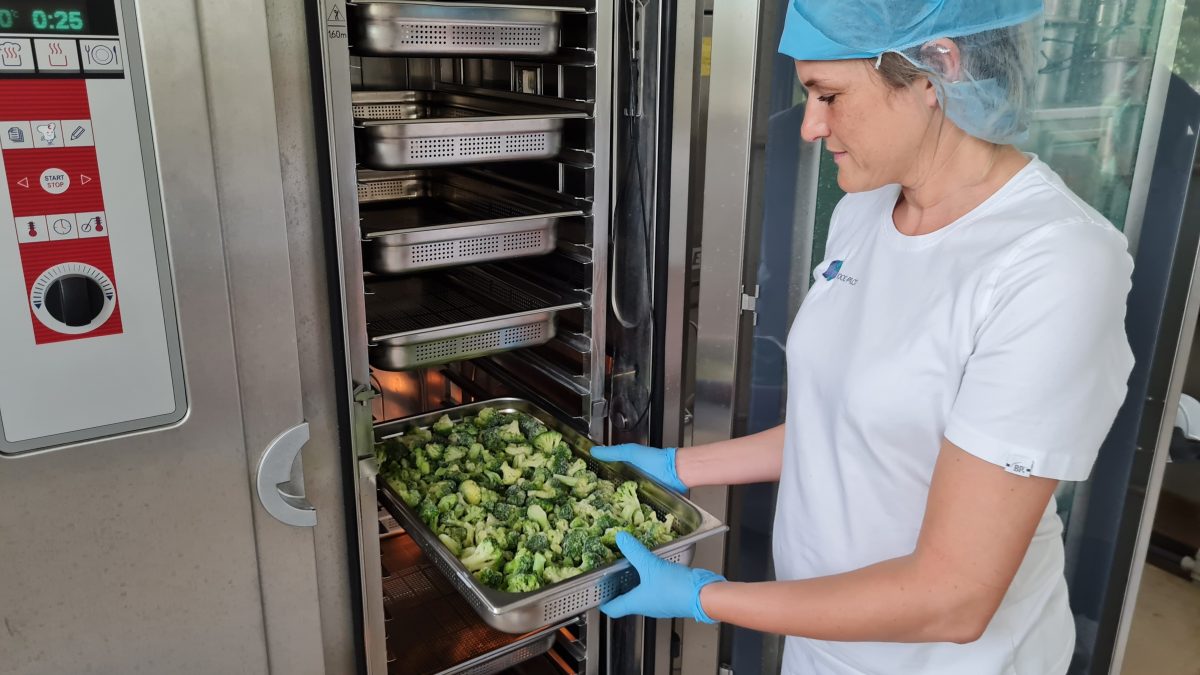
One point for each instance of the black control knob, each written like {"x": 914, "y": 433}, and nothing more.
{"x": 74, "y": 300}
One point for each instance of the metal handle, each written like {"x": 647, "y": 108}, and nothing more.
{"x": 279, "y": 494}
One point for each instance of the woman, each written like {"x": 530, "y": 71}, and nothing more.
{"x": 961, "y": 351}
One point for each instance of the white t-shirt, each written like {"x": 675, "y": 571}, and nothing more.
{"x": 1003, "y": 332}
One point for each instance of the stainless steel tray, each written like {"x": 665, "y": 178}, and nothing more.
{"x": 406, "y": 129}
{"x": 405, "y": 27}
{"x": 523, "y": 612}
{"x": 461, "y": 314}
{"x": 432, "y": 630}
{"x": 423, "y": 219}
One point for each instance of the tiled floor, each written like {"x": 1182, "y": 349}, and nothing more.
{"x": 1165, "y": 636}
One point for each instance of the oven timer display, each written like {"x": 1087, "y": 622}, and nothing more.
{"x": 58, "y": 17}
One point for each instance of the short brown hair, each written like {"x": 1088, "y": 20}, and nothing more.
{"x": 897, "y": 71}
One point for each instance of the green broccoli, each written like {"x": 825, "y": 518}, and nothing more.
{"x": 485, "y": 555}
{"x": 547, "y": 441}
{"x": 556, "y": 574}
{"x": 539, "y": 564}
{"x": 453, "y": 453}
{"x": 509, "y": 475}
{"x": 490, "y": 578}
{"x": 492, "y": 439}
{"x": 531, "y": 427}
{"x": 474, "y": 451}
{"x": 538, "y": 542}
{"x": 485, "y": 416}
{"x": 451, "y": 544}
{"x": 411, "y": 496}
{"x": 470, "y": 491}
{"x": 538, "y": 515}
{"x": 514, "y": 495}
{"x": 625, "y": 501}
{"x": 521, "y": 583}
{"x": 564, "y": 512}
{"x": 429, "y": 513}
{"x": 511, "y": 433}
{"x": 443, "y": 426}
{"x": 434, "y": 451}
{"x": 522, "y": 562}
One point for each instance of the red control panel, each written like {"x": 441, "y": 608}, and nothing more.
{"x": 62, "y": 231}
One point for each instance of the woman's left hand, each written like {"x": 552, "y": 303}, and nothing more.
{"x": 665, "y": 590}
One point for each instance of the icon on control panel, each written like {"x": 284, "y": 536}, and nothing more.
{"x": 101, "y": 55}
{"x": 10, "y": 54}
{"x": 62, "y": 226}
{"x": 48, "y": 132}
{"x": 16, "y": 134}
{"x": 57, "y": 55}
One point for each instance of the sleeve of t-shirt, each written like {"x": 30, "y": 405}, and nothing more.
{"x": 1051, "y": 358}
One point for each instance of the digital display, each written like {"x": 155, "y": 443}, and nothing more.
{"x": 58, "y": 17}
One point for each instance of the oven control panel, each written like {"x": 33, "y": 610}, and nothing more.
{"x": 88, "y": 332}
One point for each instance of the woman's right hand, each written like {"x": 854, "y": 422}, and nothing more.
{"x": 657, "y": 463}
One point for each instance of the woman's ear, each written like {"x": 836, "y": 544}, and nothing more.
{"x": 942, "y": 56}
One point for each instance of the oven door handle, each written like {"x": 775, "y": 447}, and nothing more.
{"x": 281, "y": 493}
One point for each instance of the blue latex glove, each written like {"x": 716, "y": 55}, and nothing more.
{"x": 658, "y": 464}
{"x": 665, "y": 590}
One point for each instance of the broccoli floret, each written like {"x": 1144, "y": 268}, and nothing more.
{"x": 556, "y": 574}
{"x": 517, "y": 450}
{"x": 509, "y": 475}
{"x": 454, "y": 453}
{"x": 411, "y": 496}
{"x": 511, "y": 433}
{"x": 488, "y": 498}
{"x": 609, "y": 538}
{"x": 578, "y": 466}
{"x": 514, "y": 495}
{"x": 539, "y": 564}
{"x": 531, "y": 461}
{"x": 441, "y": 489}
{"x": 448, "y": 505}
{"x": 560, "y": 460}
{"x": 429, "y": 513}
{"x": 484, "y": 418}
{"x": 564, "y": 512}
{"x": 531, "y": 426}
{"x": 522, "y": 562}
{"x": 547, "y": 441}
{"x": 507, "y": 513}
{"x": 474, "y": 451}
{"x": 434, "y": 451}
{"x": 625, "y": 501}
{"x": 547, "y": 492}
{"x": 463, "y": 435}
{"x": 538, "y": 542}
{"x": 521, "y": 583}
{"x": 490, "y": 578}
{"x": 470, "y": 491}
{"x": 485, "y": 555}
{"x": 575, "y": 543}
{"x": 538, "y": 515}
{"x": 451, "y": 544}
{"x": 443, "y": 426}
{"x": 492, "y": 439}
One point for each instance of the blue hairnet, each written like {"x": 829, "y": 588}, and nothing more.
{"x": 997, "y": 42}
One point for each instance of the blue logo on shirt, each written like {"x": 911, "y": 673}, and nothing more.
{"x": 831, "y": 272}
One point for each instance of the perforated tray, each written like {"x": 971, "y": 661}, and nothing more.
{"x": 424, "y": 219}
{"x": 431, "y": 628}
{"x": 405, "y": 27}
{"x": 523, "y": 612}
{"x": 447, "y": 316}
{"x": 406, "y": 129}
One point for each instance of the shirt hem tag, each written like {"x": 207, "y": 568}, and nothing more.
{"x": 1019, "y": 466}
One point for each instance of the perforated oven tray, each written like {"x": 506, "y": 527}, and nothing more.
{"x": 405, "y": 27}
{"x": 432, "y": 630}
{"x": 523, "y": 612}
{"x": 423, "y": 219}
{"x": 465, "y": 313}
{"x": 407, "y": 129}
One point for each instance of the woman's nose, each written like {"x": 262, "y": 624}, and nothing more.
{"x": 814, "y": 127}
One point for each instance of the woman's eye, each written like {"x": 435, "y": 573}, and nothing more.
{"x": 827, "y": 99}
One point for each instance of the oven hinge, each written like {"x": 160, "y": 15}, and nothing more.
{"x": 750, "y": 303}
{"x": 362, "y": 423}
